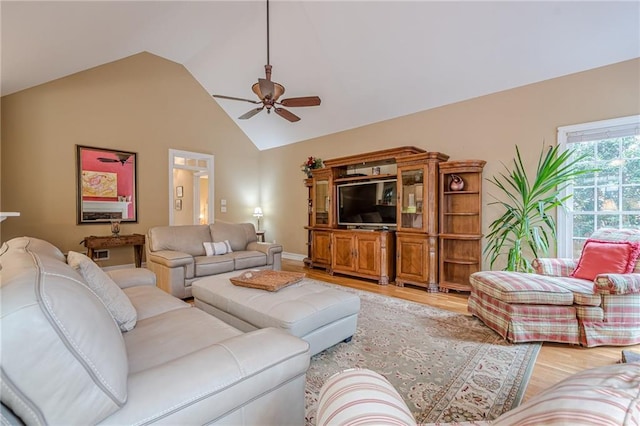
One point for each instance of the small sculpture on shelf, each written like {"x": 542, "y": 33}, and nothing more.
{"x": 115, "y": 227}
{"x": 456, "y": 184}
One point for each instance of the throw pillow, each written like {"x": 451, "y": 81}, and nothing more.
{"x": 208, "y": 248}
{"x": 214, "y": 249}
{"x": 106, "y": 289}
{"x": 606, "y": 257}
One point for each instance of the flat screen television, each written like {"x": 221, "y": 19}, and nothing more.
{"x": 367, "y": 204}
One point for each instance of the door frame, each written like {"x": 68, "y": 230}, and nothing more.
{"x": 208, "y": 169}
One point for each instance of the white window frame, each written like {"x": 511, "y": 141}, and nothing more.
{"x": 564, "y": 221}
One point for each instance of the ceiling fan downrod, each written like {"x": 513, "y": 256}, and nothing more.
{"x": 269, "y": 93}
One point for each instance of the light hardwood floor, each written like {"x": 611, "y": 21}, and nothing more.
{"x": 554, "y": 362}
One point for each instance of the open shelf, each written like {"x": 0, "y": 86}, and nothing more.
{"x": 460, "y": 224}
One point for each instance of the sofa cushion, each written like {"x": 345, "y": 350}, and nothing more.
{"x": 522, "y": 288}
{"x": 151, "y": 301}
{"x": 249, "y": 259}
{"x": 238, "y": 234}
{"x": 189, "y": 329}
{"x": 210, "y": 265}
{"x": 606, "y": 257}
{"x": 186, "y": 239}
{"x": 46, "y": 307}
{"x": 607, "y": 395}
{"x": 106, "y": 289}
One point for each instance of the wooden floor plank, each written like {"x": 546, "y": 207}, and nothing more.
{"x": 555, "y": 361}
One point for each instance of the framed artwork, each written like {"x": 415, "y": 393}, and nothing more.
{"x": 179, "y": 191}
{"x": 179, "y": 204}
{"x": 99, "y": 184}
{"x": 106, "y": 185}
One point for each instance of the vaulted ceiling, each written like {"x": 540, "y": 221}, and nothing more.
{"x": 368, "y": 60}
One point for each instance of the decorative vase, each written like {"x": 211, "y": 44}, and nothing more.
{"x": 457, "y": 184}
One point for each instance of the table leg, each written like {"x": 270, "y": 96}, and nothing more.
{"x": 137, "y": 250}
{"x": 90, "y": 253}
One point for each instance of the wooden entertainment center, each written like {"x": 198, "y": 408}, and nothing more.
{"x": 377, "y": 216}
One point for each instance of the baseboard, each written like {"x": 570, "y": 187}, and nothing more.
{"x": 293, "y": 256}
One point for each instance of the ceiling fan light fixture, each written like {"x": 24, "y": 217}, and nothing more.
{"x": 278, "y": 90}
{"x": 269, "y": 92}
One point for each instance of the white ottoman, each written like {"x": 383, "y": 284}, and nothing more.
{"x": 321, "y": 315}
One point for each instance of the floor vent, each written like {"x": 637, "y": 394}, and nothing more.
{"x": 100, "y": 254}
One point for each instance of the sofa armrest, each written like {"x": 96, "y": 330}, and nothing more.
{"x": 271, "y": 250}
{"x": 170, "y": 258}
{"x": 132, "y": 277}
{"x": 555, "y": 266}
{"x": 617, "y": 284}
{"x": 209, "y": 383}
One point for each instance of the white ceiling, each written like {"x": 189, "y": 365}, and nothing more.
{"x": 368, "y": 60}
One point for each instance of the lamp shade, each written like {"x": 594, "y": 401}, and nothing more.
{"x": 257, "y": 212}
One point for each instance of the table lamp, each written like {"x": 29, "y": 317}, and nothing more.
{"x": 257, "y": 212}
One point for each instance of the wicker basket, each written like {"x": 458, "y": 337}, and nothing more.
{"x": 267, "y": 279}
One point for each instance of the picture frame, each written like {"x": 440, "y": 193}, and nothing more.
{"x": 178, "y": 205}
{"x": 106, "y": 185}
{"x": 179, "y": 191}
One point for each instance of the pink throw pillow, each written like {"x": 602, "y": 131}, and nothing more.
{"x": 606, "y": 257}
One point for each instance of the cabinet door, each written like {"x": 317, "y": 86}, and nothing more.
{"x": 368, "y": 254}
{"x": 321, "y": 202}
{"x": 321, "y": 243}
{"x": 411, "y": 198}
{"x": 413, "y": 253}
{"x": 344, "y": 254}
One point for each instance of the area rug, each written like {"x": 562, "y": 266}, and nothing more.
{"x": 446, "y": 366}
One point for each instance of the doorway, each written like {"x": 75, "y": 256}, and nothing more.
{"x": 191, "y": 187}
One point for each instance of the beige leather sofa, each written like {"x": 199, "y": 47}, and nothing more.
{"x": 177, "y": 254}
{"x": 65, "y": 361}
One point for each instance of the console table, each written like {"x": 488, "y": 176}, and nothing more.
{"x": 136, "y": 240}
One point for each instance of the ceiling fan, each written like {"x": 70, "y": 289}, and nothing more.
{"x": 122, "y": 158}
{"x": 269, "y": 92}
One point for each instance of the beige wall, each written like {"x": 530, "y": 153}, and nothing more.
{"x": 142, "y": 103}
{"x": 147, "y": 104}
{"x": 485, "y": 128}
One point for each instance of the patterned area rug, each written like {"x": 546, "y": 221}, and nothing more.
{"x": 447, "y": 366}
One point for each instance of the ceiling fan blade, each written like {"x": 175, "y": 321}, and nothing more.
{"x": 236, "y": 99}
{"x": 250, "y": 114}
{"x": 108, "y": 160}
{"x": 301, "y": 102}
{"x": 287, "y": 115}
{"x": 266, "y": 88}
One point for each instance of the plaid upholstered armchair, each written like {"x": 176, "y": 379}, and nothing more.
{"x": 591, "y": 301}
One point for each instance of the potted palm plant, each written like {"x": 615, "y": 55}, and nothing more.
{"x": 526, "y": 229}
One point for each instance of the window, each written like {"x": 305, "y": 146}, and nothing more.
{"x": 609, "y": 197}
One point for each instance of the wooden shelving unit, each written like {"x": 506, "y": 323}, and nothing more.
{"x": 460, "y": 224}
{"x": 417, "y": 220}
{"x": 435, "y": 242}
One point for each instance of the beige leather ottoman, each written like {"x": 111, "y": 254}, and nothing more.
{"x": 321, "y": 315}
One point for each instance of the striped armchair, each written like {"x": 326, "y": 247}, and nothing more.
{"x": 552, "y": 305}
{"x": 599, "y": 396}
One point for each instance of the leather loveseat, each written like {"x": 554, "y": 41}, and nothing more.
{"x": 177, "y": 255}
{"x": 65, "y": 360}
